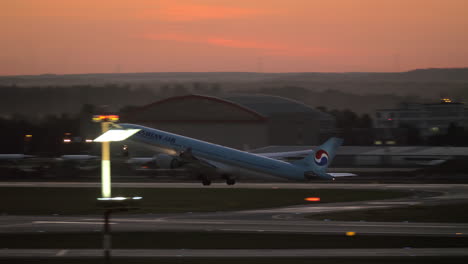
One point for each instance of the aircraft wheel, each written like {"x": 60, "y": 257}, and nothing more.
{"x": 230, "y": 181}
{"x": 175, "y": 164}
{"x": 206, "y": 182}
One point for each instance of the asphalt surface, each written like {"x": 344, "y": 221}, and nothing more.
{"x": 281, "y": 220}
{"x": 275, "y": 220}
{"x": 141, "y": 223}
{"x": 235, "y": 253}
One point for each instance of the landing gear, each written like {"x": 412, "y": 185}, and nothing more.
{"x": 205, "y": 180}
{"x": 230, "y": 181}
{"x": 175, "y": 163}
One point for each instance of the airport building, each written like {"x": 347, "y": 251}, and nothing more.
{"x": 428, "y": 119}
{"x": 237, "y": 120}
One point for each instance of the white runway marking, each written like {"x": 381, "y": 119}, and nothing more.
{"x": 314, "y": 209}
{"x": 161, "y": 220}
{"x": 282, "y": 217}
{"x": 238, "y": 253}
{"x": 131, "y": 220}
{"x": 12, "y": 225}
{"x": 391, "y": 203}
{"x": 61, "y": 253}
{"x": 410, "y": 226}
{"x": 70, "y": 222}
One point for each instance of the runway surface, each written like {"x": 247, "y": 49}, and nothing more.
{"x": 142, "y": 223}
{"x": 272, "y": 220}
{"x": 236, "y": 253}
{"x": 281, "y": 220}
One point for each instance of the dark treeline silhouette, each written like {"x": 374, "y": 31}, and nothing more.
{"x": 455, "y": 136}
{"x": 36, "y": 102}
{"x": 43, "y": 136}
{"x": 355, "y": 129}
{"x": 49, "y": 112}
{"x": 334, "y": 99}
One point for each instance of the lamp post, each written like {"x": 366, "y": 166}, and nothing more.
{"x": 106, "y": 201}
{"x": 107, "y": 137}
{"x": 106, "y": 121}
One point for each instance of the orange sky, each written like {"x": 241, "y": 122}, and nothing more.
{"x": 90, "y": 36}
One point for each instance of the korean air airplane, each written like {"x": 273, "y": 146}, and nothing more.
{"x": 210, "y": 161}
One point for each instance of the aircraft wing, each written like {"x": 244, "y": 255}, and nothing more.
{"x": 341, "y": 174}
{"x": 287, "y": 154}
{"x": 199, "y": 164}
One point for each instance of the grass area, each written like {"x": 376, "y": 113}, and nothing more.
{"x": 447, "y": 213}
{"x": 69, "y": 201}
{"x": 223, "y": 240}
{"x": 183, "y": 260}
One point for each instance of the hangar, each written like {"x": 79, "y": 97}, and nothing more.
{"x": 236, "y": 120}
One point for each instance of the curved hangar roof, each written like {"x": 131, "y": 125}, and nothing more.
{"x": 228, "y": 108}
{"x": 269, "y": 105}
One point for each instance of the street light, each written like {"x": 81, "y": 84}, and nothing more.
{"x": 106, "y": 137}
{"x": 106, "y": 201}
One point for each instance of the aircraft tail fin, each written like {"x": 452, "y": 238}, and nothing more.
{"x": 321, "y": 157}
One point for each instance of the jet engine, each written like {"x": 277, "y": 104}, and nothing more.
{"x": 165, "y": 161}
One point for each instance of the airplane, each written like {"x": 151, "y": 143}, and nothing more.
{"x": 80, "y": 162}
{"x": 24, "y": 164}
{"x": 210, "y": 160}
{"x": 35, "y": 165}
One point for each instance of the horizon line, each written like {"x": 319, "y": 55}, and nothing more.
{"x": 251, "y": 72}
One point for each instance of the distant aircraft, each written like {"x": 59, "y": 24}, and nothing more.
{"x": 23, "y": 164}
{"x": 34, "y": 165}
{"x": 211, "y": 161}
{"x": 80, "y": 162}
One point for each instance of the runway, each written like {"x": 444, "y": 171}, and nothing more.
{"x": 281, "y": 220}
{"x": 235, "y": 253}
{"x": 272, "y": 220}
{"x": 142, "y": 223}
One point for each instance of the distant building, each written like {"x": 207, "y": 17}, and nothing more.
{"x": 238, "y": 121}
{"x": 428, "y": 119}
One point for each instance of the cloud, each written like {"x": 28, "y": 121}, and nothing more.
{"x": 215, "y": 41}
{"x": 231, "y": 43}
{"x": 189, "y": 12}
{"x": 267, "y": 47}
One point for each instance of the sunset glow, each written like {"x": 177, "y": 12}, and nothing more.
{"x": 87, "y": 36}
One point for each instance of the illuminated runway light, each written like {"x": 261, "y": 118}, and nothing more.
{"x": 112, "y": 199}
{"x": 350, "y": 233}
{"x": 312, "y": 199}
{"x": 458, "y": 234}
{"x": 119, "y": 198}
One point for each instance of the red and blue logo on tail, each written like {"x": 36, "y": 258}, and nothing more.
{"x": 321, "y": 157}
